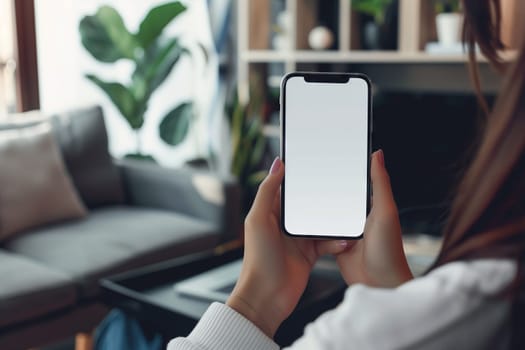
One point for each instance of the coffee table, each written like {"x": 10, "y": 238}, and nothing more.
{"x": 147, "y": 294}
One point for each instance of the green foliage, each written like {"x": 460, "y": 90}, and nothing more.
{"x": 106, "y": 38}
{"x": 176, "y": 124}
{"x": 156, "y": 20}
{"x": 140, "y": 156}
{"x": 447, "y": 6}
{"x": 248, "y": 146}
{"x": 123, "y": 99}
{"x": 374, "y": 8}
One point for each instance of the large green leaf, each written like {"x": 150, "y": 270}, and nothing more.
{"x": 175, "y": 125}
{"x": 156, "y": 20}
{"x": 97, "y": 41}
{"x": 106, "y": 37}
{"x": 155, "y": 66}
{"x": 140, "y": 156}
{"x": 117, "y": 31}
{"x": 123, "y": 99}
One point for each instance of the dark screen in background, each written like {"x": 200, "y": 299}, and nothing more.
{"x": 427, "y": 139}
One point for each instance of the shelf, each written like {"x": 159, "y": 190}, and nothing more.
{"x": 376, "y": 57}
{"x": 266, "y": 56}
{"x": 409, "y": 68}
{"x": 307, "y": 56}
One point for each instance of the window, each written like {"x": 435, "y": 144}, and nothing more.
{"x": 7, "y": 60}
{"x": 18, "y": 64}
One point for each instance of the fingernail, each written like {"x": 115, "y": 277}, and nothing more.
{"x": 342, "y": 244}
{"x": 275, "y": 165}
{"x": 381, "y": 157}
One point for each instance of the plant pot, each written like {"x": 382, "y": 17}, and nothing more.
{"x": 371, "y": 35}
{"x": 380, "y": 35}
{"x": 449, "y": 28}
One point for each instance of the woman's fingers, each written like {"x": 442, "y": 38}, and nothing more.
{"x": 331, "y": 247}
{"x": 269, "y": 188}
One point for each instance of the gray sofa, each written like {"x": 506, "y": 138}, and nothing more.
{"x": 139, "y": 213}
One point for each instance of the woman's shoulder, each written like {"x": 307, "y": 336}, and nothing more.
{"x": 465, "y": 283}
{"x": 482, "y": 276}
{"x": 436, "y": 310}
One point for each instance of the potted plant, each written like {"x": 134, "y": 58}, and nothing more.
{"x": 379, "y": 23}
{"x": 153, "y": 56}
{"x": 448, "y": 22}
{"x": 248, "y": 144}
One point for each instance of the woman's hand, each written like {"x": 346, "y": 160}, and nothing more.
{"x": 378, "y": 259}
{"x": 275, "y": 267}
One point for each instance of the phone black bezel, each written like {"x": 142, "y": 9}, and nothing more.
{"x": 328, "y": 77}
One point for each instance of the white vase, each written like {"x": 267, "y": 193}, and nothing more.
{"x": 449, "y": 27}
{"x": 320, "y": 38}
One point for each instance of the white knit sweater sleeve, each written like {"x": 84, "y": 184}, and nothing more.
{"x": 222, "y": 328}
{"x": 449, "y": 308}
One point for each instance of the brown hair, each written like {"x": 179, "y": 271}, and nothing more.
{"x": 487, "y": 218}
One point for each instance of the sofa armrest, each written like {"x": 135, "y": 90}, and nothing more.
{"x": 199, "y": 194}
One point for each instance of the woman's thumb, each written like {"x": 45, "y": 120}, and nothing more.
{"x": 381, "y": 188}
{"x": 268, "y": 189}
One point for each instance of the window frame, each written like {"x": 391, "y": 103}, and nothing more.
{"x": 27, "y": 86}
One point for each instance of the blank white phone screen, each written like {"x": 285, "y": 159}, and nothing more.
{"x": 326, "y": 157}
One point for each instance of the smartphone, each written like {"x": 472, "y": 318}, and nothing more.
{"x": 326, "y": 125}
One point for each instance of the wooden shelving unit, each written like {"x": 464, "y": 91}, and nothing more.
{"x": 416, "y": 27}
{"x": 300, "y": 56}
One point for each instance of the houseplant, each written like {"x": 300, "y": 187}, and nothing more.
{"x": 379, "y": 23}
{"x": 248, "y": 146}
{"x": 153, "y": 55}
{"x": 448, "y": 21}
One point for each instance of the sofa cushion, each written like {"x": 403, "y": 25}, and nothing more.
{"x": 35, "y": 188}
{"x": 83, "y": 139}
{"x": 114, "y": 239}
{"x": 30, "y": 289}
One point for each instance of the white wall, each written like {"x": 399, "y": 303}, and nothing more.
{"x": 62, "y": 63}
